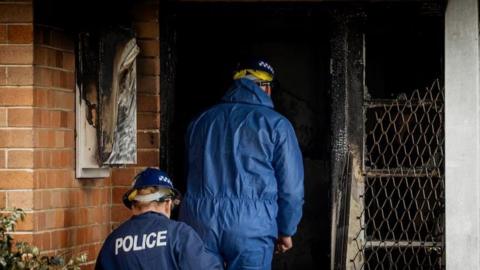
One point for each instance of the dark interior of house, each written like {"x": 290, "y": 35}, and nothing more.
{"x": 403, "y": 50}
{"x": 211, "y": 39}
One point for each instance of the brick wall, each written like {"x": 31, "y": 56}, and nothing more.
{"x": 37, "y": 141}
{"x": 16, "y": 105}
{"x": 69, "y": 214}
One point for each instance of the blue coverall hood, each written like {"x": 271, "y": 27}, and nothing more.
{"x": 247, "y": 91}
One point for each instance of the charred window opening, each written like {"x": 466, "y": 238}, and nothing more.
{"x": 105, "y": 53}
{"x": 106, "y": 78}
{"x": 404, "y": 48}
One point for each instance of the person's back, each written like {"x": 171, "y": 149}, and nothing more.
{"x": 243, "y": 165}
{"x": 149, "y": 239}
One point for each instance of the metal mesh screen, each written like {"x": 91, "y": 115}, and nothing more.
{"x": 402, "y": 221}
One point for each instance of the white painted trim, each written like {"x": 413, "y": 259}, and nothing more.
{"x": 462, "y": 132}
{"x": 86, "y": 145}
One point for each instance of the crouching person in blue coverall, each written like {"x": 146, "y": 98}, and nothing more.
{"x": 245, "y": 174}
{"x": 150, "y": 240}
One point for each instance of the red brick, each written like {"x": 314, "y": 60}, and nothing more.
{"x": 3, "y": 75}
{"x": 20, "y": 117}
{"x": 19, "y": 159}
{"x": 148, "y": 66}
{"x": 95, "y": 197}
{"x": 63, "y": 198}
{"x": 53, "y": 37}
{"x": 16, "y": 54}
{"x": 40, "y": 97}
{"x": 148, "y": 158}
{"x": 120, "y": 213}
{"x": 44, "y": 138}
{"x": 53, "y": 159}
{"x": 123, "y": 176}
{"x": 60, "y": 139}
{"x": 98, "y": 215}
{"x": 60, "y": 178}
{"x": 148, "y": 84}
{"x": 61, "y": 219}
{"x": 60, "y": 238}
{"x": 145, "y": 11}
{"x": 41, "y": 36}
{"x": 68, "y": 61}
{"x": 39, "y": 221}
{"x": 117, "y": 194}
{"x": 95, "y": 233}
{"x": 20, "y": 34}
{"x": 62, "y": 100}
{"x": 22, "y": 96}
{"x": 2, "y": 159}
{"x": 147, "y": 30}
{"x": 67, "y": 119}
{"x": 53, "y": 119}
{"x": 149, "y": 48}
{"x": 45, "y": 56}
{"x": 3, "y": 117}
{"x": 148, "y": 120}
{"x": 17, "y": 13}
{"x": 3, "y": 199}
{"x": 81, "y": 236}
{"x": 61, "y": 40}
{"x": 20, "y": 199}
{"x": 59, "y": 59}
{"x": 54, "y": 99}
{"x": 43, "y": 200}
{"x": 3, "y": 33}
{"x": 54, "y": 78}
{"x": 42, "y": 240}
{"x": 16, "y": 138}
{"x": 40, "y": 118}
{"x": 68, "y": 139}
{"x": 19, "y": 76}
{"x": 148, "y": 140}
{"x": 148, "y": 103}
{"x": 16, "y": 180}
{"x": 26, "y": 224}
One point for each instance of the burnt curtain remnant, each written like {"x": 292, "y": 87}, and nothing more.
{"x": 107, "y": 82}
{"x": 117, "y": 98}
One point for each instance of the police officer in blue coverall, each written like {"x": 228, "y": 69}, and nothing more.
{"x": 245, "y": 174}
{"x": 150, "y": 240}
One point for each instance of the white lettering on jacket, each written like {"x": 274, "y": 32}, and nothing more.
{"x": 145, "y": 241}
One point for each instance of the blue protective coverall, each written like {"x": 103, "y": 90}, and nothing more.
{"x": 245, "y": 178}
{"x": 152, "y": 241}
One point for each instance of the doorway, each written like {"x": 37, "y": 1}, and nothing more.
{"x": 207, "y": 40}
